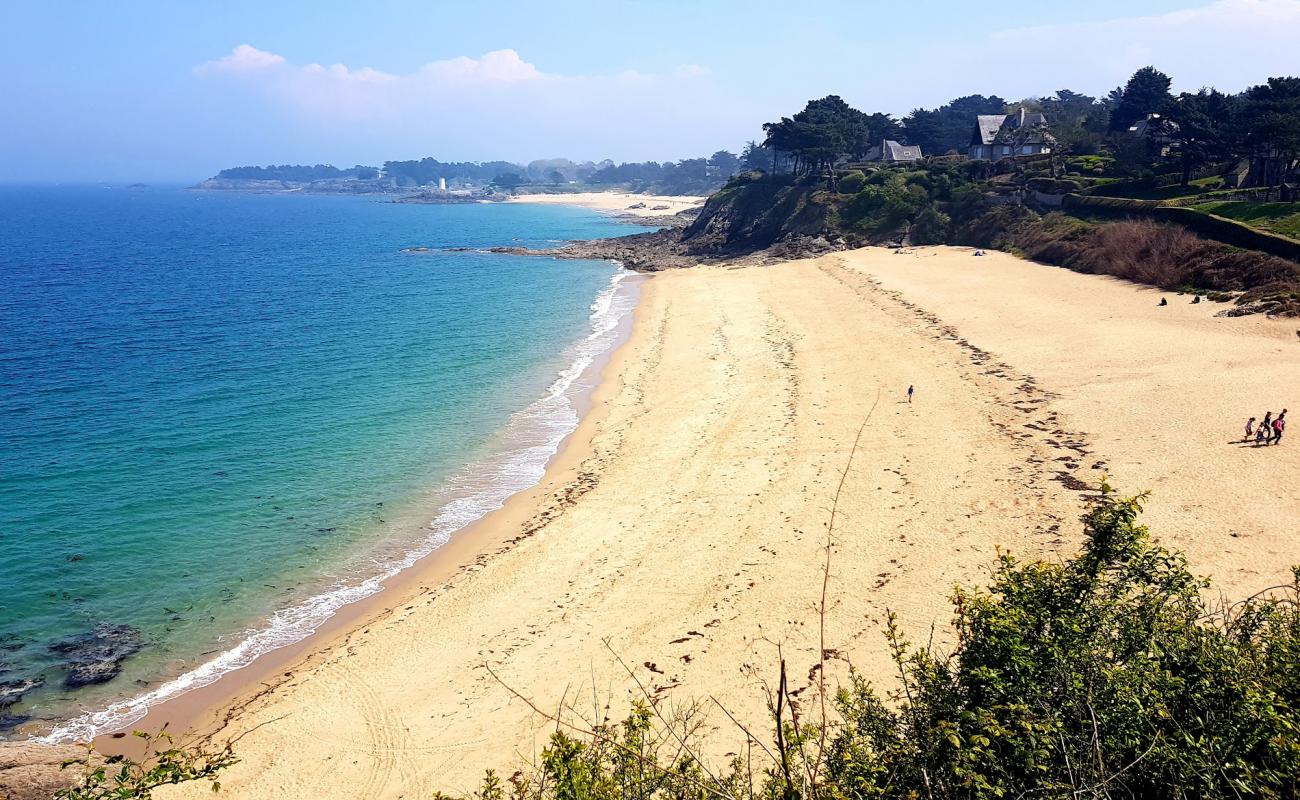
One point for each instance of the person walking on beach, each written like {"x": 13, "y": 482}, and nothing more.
{"x": 1250, "y": 429}
{"x": 1265, "y": 431}
{"x": 909, "y": 393}
{"x": 1279, "y": 425}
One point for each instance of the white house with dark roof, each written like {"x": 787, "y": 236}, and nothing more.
{"x": 891, "y": 152}
{"x": 1023, "y": 133}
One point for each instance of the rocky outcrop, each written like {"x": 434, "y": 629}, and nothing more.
{"x": 30, "y": 771}
{"x": 751, "y": 214}
{"x": 97, "y": 655}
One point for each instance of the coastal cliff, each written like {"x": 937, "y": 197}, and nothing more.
{"x": 762, "y": 218}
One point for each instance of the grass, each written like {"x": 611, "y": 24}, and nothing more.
{"x": 1279, "y": 218}
{"x": 1194, "y": 188}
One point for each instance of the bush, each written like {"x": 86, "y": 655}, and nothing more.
{"x": 164, "y": 763}
{"x": 852, "y": 183}
{"x": 1108, "y": 675}
{"x": 931, "y": 227}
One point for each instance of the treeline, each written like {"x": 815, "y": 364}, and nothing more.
{"x": 426, "y": 171}
{"x": 688, "y": 176}
{"x": 1140, "y": 126}
{"x": 299, "y": 173}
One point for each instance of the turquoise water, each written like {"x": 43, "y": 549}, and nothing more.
{"x": 223, "y": 416}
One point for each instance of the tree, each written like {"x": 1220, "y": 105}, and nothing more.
{"x": 723, "y": 164}
{"x": 1270, "y": 118}
{"x": 1198, "y": 126}
{"x": 1147, "y": 92}
{"x": 948, "y": 127}
{"x": 1076, "y": 121}
{"x": 509, "y": 182}
{"x": 556, "y": 177}
{"x": 757, "y": 157}
{"x": 825, "y": 131}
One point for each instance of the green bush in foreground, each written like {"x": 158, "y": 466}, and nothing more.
{"x": 164, "y": 763}
{"x": 1108, "y": 675}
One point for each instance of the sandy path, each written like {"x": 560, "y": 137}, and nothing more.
{"x": 686, "y": 523}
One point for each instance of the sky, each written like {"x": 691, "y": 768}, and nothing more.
{"x": 175, "y": 91}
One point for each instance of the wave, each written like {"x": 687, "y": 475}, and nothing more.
{"x": 529, "y": 440}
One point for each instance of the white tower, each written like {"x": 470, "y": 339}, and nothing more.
{"x": 442, "y": 185}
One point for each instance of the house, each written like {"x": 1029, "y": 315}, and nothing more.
{"x": 1022, "y": 133}
{"x": 891, "y": 152}
{"x": 1157, "y": 130}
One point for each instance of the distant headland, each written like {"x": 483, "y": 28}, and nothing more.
{"x": 433, "y": 181}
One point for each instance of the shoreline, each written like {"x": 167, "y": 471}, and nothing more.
{"x": 182, "y": 707}
{"x": 681, "y": 533}
{"x": 202, "y": 712}
{"x": 734, "y": 396}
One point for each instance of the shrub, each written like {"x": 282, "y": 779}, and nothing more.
{"x": 852, "y": 183}
{"x": 1108, "y": 675}
{"x": 164, "y": 763}
{"x": 931, "y": 227}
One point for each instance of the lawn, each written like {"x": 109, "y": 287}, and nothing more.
{"x": 1281, "y": 218}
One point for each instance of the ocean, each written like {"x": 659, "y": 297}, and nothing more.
{"x": 225, "y": 416}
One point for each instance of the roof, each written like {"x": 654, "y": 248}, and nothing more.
{"x": 1153, "y": 125}
{"x": 987, "y": 127}
{"x": 1006, "y": 128}
{"x": 890, "y": 150}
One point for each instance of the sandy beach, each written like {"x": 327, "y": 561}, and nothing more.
{"x": 682, "y": 531}
{"x": 652, "y": 206}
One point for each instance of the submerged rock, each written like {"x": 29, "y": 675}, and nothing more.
{"x": 12, "y": 691}
{"x": 97, "y": 656}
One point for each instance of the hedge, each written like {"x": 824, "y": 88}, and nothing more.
{"x": 1220, "y": 229}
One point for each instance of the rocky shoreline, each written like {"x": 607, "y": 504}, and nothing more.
{"x": 670, "y": 249}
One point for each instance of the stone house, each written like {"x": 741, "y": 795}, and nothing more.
{"x": 1022, "y": 133}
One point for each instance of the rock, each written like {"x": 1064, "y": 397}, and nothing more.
{"x": 12, "y": 691}
{"x": 31, "y": 771}
{"x": 97, "y": 656}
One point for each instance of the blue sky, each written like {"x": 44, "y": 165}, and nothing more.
{"x": 174, "y": 91}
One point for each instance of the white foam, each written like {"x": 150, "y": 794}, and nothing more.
{"x": 530, "y": 439}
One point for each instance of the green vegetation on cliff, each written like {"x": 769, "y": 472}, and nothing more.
{"x": 938, "y": 201}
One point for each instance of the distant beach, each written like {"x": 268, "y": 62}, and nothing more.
{"x": 642, "y": 207}
{"x": 679, "y": 532}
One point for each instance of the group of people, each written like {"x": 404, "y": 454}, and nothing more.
{"x": 1267, "y": 432}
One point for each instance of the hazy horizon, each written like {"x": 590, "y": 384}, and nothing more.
{"x": 174, "y": 93}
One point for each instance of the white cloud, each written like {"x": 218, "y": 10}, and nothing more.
{"x": 496, "y": 105}
{"x": 243, "y": 59}
{"x": 1229, "y": 44}
{"x": 498, "y": 66}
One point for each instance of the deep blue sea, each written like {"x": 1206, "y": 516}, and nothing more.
{"x": 224, "y": 416}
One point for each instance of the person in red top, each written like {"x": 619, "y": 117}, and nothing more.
{"x": 1279, "y": 425}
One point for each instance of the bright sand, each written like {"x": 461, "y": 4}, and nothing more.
{"x": 618, "y": 202}
{"x": 685, "y": 523}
